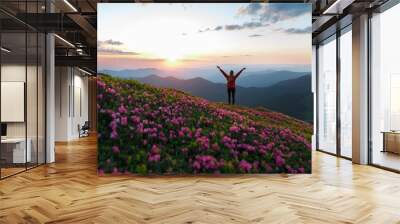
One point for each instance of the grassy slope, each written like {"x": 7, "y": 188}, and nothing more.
{"x": 168, "y": 131}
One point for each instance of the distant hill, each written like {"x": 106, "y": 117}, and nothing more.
{"x": 132, "y": 73}
{"x": 267, "y": 78}
{"x": 262, "y": 78}
{"x": 292, "y": 97}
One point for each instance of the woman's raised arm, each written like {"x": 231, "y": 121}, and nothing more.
{"x": 222, "y": 71}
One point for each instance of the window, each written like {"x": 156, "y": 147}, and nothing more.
{"x": 327, "y": 96}
{"x": 346, "y": 93}
{"x": 385, "y": 89}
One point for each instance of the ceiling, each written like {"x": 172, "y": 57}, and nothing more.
{"x": 75, "y": 22}
{"x": 329, "y": 16}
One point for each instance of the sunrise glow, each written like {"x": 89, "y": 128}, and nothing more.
{"x": 196, "y": 35}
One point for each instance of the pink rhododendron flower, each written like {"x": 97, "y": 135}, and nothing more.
{"x": 245, "y": 166}
{"x": 115, "y": 149}
{"x": 122, "y": 109}
{"x": 203, "y": 142}
{"x": 100, "y": 172}
{"x": 116, "y": 171}
{"x": 111, "y": 91}
{"x": 124, "y": 120}
{"x": 154, "y": 158}
{"x": 215, "y": 147}
{"x": 196, "y": 165}
{"x": 101, "y": 84}
{"x": 279, "y": 161}
{"x": 234, "y": 129}
{"x": 114, "y": 135}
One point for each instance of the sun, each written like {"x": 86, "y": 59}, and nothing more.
{"x": 172, "y": 59}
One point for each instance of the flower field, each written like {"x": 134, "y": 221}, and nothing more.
{"x": 147, "y": 130}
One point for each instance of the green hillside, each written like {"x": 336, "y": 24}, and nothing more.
{"x": 143, "y": 129}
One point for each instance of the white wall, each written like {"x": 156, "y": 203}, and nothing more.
{"x": 33, "y": 127}
{"x": 16, "y": 73}
{"x": 12, "y": 73}
{"x": 71, "y": 94}
{"x": 62, "y": 82}
{"x": 80, "y": 110}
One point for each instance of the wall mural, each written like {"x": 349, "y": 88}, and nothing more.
{"x": 204, "y": 88}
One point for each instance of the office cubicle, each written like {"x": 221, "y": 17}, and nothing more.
{"x": 22, "y": 77}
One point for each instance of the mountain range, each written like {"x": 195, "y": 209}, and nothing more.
{"x": 262, "y": 78}
{"x": 292, "y": 97}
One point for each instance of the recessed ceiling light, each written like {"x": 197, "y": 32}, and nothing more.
{"x": 64, "y": 40}
{"x": 333, "y": 6}
{"x": 5, "y": 50}
{"x": 86, "y": 72}
{"x": 70, "y": 5}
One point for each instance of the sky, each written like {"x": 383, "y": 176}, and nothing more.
{"x": 182, "y": 35}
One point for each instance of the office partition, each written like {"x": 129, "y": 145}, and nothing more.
{"x": 22, "y": 77}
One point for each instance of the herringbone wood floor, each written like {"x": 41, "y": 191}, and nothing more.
{"x": 69, "y": 191}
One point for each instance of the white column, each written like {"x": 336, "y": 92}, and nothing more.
{"x": 314, "y": 91}
{"x": 50, "y": 98}
{"x": 360, "y": 90}
{"x": 62, "y": 103}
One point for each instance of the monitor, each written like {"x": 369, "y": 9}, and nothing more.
{"x": 3, "y": 129}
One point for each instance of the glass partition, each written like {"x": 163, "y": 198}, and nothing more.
{"x": 346, "y": 93}
{"x": 32, "y": 96}
{"x": 327, "y": 95}
{"x": 14, "y": 151}
{"x": 22, "y": 77}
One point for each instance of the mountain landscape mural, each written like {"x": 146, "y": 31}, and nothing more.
{"x": 213, "y": 88}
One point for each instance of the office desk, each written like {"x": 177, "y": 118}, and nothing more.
{"x": 391, "y": 141}
{"x": 16, "y": 147}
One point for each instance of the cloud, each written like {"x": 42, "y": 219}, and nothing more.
{"x": 218, "y": 28}
{"x": 242, "y": 55}
{"x": 296, "y": 30}
{"x": 264, "y": 15}
{"x": 115, "y": 51}
{"x": 190, "y": 60}
{"x": 184, "y": 34}
{"x": 111, "y": 42}
{"x": 256, "y": 35}
{"x": 233, "y": 27}
{"x": 113, "y": 47}
{"x": 272, "y": 13}
{"x": 252, "y": 8}
{"x": 205, "y": 30}
{"x": 248, "y": 25}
